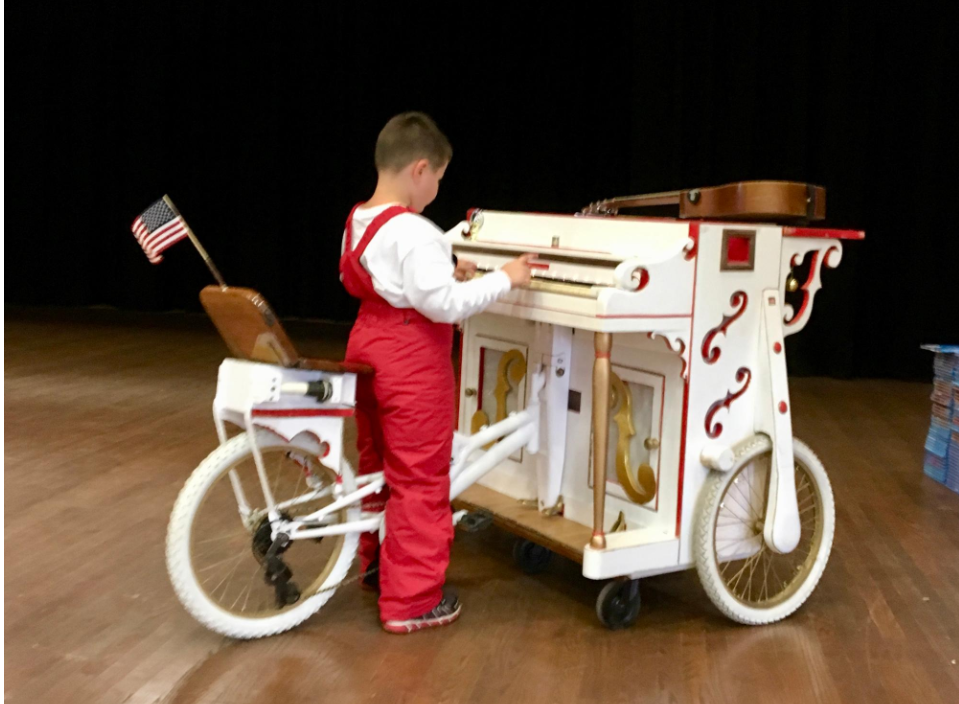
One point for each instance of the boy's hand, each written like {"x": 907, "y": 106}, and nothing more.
{"x": 465, "y": 269}
{"x": 518, "y": 270}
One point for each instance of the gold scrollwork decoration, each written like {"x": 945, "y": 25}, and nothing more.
{"x": 512, "y": 369}
{"x": 641, "y": 486}
{"x": 620, "y": 525}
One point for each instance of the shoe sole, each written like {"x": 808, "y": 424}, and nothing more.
{"x": 416, "y": 624}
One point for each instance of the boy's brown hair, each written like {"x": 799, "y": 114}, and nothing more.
{"x": 408, "y": 137}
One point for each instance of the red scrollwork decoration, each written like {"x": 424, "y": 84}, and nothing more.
{"x": 811, "y": 286}
{"x": 692, "y": 247}
{"x": 642, "y": 278}
{"x": 714, "y": 431}
{"x": 679, "y": 348}
{"x": 738, "y": 300}
{"x": 681, "y": 351}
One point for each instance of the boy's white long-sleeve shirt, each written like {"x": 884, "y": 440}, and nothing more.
{"x": 411, "y": 265}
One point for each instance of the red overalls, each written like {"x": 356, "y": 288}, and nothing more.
{"x": 404, "y": 420}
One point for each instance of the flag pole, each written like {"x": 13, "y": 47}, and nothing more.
{"x": 196, "y": 243}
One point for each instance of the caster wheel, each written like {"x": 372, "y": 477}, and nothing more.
{"x": 531, "y": 558}
{"x": 618, "y": 604}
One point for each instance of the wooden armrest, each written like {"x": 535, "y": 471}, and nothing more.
{"x": 326, "y": 365}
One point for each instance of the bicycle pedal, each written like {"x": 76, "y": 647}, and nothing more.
{"x": 278, "y": 575}
{"x": 476, "y": 521}
{"x": 286, "y": 593}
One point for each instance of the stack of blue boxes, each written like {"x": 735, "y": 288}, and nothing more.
{"x": 942, "y": 443}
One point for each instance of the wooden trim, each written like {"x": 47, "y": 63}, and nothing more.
{"x": 326, "y": 365}
{"x": 561, "y": 535}
{"x": 251, "y": 330}
{"x": 769, "y": 201}
{"x": 248, "y": 325}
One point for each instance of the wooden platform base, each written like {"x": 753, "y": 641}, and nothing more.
{"x": 562, "y": 536}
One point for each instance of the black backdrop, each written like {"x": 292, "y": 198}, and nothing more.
{"x": 260, "y": 124}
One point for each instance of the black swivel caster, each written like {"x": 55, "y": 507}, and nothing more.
{"x": 618, "y": 603}
{"x": 531, "y": 557}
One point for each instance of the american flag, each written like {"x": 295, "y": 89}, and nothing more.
{"x": 158, "y": 227}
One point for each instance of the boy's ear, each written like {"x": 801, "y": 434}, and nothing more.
{"x": 419, "y": 167}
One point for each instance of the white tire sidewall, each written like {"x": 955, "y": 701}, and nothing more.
{"x": 185, "y": 583}
{"x": 704, "y": 535}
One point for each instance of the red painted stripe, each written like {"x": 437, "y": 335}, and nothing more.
{"x": 664, "y": 315}
{"x": 302, "y": 412}
{"x": 827, "y": 233}
{"x": 583, "y": 315}
{"x": 537, "y": 265}
{"x": 479, "y": 385}
{"x": 694, "y": 233}
{"x": 597, "y": 217}
{"x": 527, "y": 245}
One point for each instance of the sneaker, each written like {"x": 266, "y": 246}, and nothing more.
{"x": 447, "y": 611}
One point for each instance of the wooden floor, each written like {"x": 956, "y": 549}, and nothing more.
{"x": 106, "y": 415}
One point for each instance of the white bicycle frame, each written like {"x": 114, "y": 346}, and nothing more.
{"x": 468, "y": 465}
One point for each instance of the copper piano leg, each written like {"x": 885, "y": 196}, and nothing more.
{"x": 603, "y": 342}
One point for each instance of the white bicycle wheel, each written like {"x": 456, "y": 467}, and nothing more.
{"x": 215, "y": 556}
{"x": 746, "y": 580}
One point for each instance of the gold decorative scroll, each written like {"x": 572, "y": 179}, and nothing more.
{"x": 641, "y": 486}
{"x": 620, "y": 525}
{"x": 512, "y": 369}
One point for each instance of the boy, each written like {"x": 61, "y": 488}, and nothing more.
{"x": 399, "y": 266}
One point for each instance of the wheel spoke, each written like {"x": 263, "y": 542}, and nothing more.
{"x": 217, "y": 553}
{"x": 765, "y": 592}
{"x": 764, "y": 576}
{"x": 218, "y": 562}
{"x": 230, "y": 574}
{"x": 739, "y": 574}
{"x": 276, "y": 482}
{"x": 225, "y": 536}
{"x": 749, "y": 513}
{"x": 296, "y": 492}
{"x": 779, "y": 579}
{"x": 745, "y": 495}
{"x": 246, "y": 590}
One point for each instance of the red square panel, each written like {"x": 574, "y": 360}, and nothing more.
{"x": 737, "y": 250}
